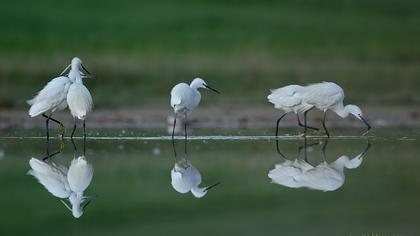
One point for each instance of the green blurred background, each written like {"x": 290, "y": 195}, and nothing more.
{"x": 140, "y": 49}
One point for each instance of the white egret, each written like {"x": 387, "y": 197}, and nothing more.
{"x": 289, "y": 99}
{"x": 53, "y": 97}
{"x": 329, "y": 96}
{"x": 79, "y": 98}
{"x": 184, "y": 99}
{"x": 65, "y": 183}
{"x": 185, "y": 178}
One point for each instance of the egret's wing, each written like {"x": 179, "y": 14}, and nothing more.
{"x": 323, "y": 94}
{"x": 51, "y": 96}
{"x": 51, "y": 176}
{"x": 323, "y": 178}
{"x": 181, "y": 95}
{"x": 79, "y": 100}
{"x": 286, "y": 97}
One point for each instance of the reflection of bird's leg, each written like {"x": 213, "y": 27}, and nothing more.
{"x": 61, "y": 128}
{"x": 366, "y": 149}
{"x": 278, "y": 149}
{"x": 74, "y": 145}
{"x": 84, "y": 140}
{"x": 277, "y": 125}
{"x": 74, "y": 129}
{"x": 173, "y": 133}
{"x": 324, "y": 149}
{"x": 185, "y": 130}
{"x": 302, "y": 125}
{"x": 48, "y": 152}
{"x": 323, "y": 125}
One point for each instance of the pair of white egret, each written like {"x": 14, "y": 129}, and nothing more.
{"x": 60, "y": 92}
{"x": 66, "y": 184}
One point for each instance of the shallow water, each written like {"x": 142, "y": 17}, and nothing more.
{"x": 348, "y": 185}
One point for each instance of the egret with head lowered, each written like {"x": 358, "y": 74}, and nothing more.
{"x": 53, "y": 97}
{"x": 79, "y": 98}
{"x": 185, "y": 98}
{"x": 329, "y": 96}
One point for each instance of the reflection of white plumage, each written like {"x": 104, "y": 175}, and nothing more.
{"x": 65, "y": 183}
{"x": 185, "y": 178}
{"x": 79, "y": 99}
{"x": 289, "y": 99}
{"x": 329, "y": 96}
{"x": 324, "y": 177}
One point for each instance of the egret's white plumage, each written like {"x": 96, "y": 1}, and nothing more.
{"x": 329, "y": 96}
{"x": 65, "y": 183}
{"x": 185, "y": 178}
{"x": 51, "y": 98}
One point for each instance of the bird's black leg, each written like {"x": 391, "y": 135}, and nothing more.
{"x": 185, "y": 131}
{"x": 325, "y": 127}
{"x": 305, "y": 120}
{"x": 84, "y": 137}
{"x": 61, "y": 126}
{"x": 46, "y": 126}
{"x": 74, "y": 129}
{"x": 277, "y": 125}
{"x": 173, "y": 135}
{"x": 324, "y": 150}
{"x": 302, "y": 125}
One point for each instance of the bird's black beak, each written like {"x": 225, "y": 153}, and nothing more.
{"x": 85, "y": 70}
{"x": 366, "y": 123}
{"x": 211, "y": 186}
{"x": 85, "y": 205}
{"x": 212, "y": 89}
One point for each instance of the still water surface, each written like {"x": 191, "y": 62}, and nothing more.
{"x": 345, "y": 186}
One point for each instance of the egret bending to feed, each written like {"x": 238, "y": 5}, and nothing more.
{"x": 65, "y": 183}
{"x": 53, "y": 97}
{"x": 329, "y": 96}
{"x": 184, "y": 99}
{"x": 79, "y": 98}
{"x": 289, "y": 99}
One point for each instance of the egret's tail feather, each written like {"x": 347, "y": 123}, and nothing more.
{"x": 37, "y": 109}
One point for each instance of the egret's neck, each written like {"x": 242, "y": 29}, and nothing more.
{"x": 195, "y": 85}
{"x": 341, "y": 110}
{"x": 340, "y": 163}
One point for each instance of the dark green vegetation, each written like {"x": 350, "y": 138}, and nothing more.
{"x": 135, "y": 195}
{"x": 139, "y": 49}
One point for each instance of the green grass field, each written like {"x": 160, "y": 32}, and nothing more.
{"x": 139, "y": 50}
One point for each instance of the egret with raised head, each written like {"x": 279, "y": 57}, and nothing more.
{"x": 184, "y": 99}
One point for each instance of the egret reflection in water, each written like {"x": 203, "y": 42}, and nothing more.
{"x": 186, "y": 178}
{"x": 67, "y": 184}
{"x": 300, "y": 173}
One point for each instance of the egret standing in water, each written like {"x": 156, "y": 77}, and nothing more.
{"x": 79, "y": 98}
{"x": 289, "y": 99}
{"x": 329, "y": 96}
{"x": 184, "y": 99}
{"x": 53, "y": 97}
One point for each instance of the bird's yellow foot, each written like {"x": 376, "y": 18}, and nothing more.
{"x": 302, "y": 134}
{"x": 61, "y": 129}
{"x": 61, "y": 147}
